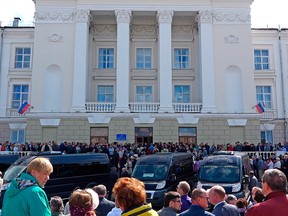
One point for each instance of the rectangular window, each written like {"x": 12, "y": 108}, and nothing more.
{"x": 143, "y": 58}
{"x": 181, "y": 58}
{"x": 18, "y": 136}
{"x": 144, "y": 94}
{"x": 20, "y": 95}
{"x": 266, "y": 137}
{"x": 22, "y": 57}
{"x": 263, "y": 95}
{"x": 261, "y": 59}
{"x": 106, "y": 58}
{"x": 105, "y": 94}
{"x": 182, "y": 94}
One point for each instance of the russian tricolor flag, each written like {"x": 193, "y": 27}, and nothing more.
{"x": 23, "y": 108}
{"x": 260, "y": 108}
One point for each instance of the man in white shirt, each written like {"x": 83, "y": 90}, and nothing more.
{"x": 277, "y": 163}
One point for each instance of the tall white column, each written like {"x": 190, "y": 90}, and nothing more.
{"x": 122, "y": 72}
{"x": 207, "y": 61}
{"x": 165, "y": 60}
{"x": 80, "y": 60}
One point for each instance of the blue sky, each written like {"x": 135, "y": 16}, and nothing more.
{"x": 264, "y": 13}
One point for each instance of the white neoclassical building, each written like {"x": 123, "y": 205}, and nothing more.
{"x": 147, "y": 71}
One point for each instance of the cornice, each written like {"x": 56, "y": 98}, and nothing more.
{"x": 165, "y": 16}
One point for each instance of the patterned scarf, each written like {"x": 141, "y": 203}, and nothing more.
{"x": 80, "y": 211}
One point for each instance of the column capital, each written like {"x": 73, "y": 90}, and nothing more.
{"x": 123, "y": 15}
{"x": 204, "y": 16}
{"x": 82, "y": 16}
{"x": 165, "y": 16}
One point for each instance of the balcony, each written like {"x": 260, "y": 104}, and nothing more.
{"x": 144, "y": 107}
{"x": 14, "y": 113}
{"x": 187, "y": 107}
{"x": 269, "y": 114}
{"x": 100, "y": 107}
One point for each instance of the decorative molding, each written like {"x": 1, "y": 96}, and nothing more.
{"x": 231, "y": 17}
{"x": 17, "y": 126}
{"x": 50, "y": 122}
{"x": 165, "y": 16}
{"x": 204, "y": 16}
{"x": 237, "y": 122}
{"x": 184, "y": 31}
{"x": 55, "y": 38}
{"x": 187, "y": 119}
{"x": 231, "y": 39}
{"x": 104, "y": 30}
{"x": 123, "y": 15}
{"x": 99, "y": 118}
{"x": 144, "y": 118}
{"x": 146, "y": 31}
{"x": 56, "y": 16}
{"x": 267, "y": 127}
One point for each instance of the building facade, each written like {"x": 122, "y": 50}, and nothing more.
{"x": 152, "y": 71}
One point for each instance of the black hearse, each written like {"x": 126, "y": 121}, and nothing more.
{"x": 69, "y": 171}
{"x": 162, "y": 172}
{"x": 228, "y": 169}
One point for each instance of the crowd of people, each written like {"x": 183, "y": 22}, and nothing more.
{"x": 127, "y": 197}
{"x": 26, "y": 197}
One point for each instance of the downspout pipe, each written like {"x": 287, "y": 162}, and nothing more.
{"x": 282, "y": 83}
{"x": 1, "y": 46}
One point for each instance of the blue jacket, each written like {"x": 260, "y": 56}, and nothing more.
{"x": 26, "y": 198}
{"x": 196, "y": 210}
{"x": 224, "y": 209}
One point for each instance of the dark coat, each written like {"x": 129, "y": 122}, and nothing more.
{"x": 105, "y": 206}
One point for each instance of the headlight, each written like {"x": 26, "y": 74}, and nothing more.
{"x": 161, "y": 185}
{"x": 236, "y": 187}
{"x": 199, "y": 185}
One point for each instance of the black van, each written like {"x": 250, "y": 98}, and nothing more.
{"x": 6, "y": 160}
{"x": 228, "y": 169}
{"x": 162, "y": 172}
{"x": 69, "y": 171}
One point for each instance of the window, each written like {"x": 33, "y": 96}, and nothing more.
{"x": 106, "y": 58}
{"x": 181, "y": 58}
{"x": 263, "y": 95}
{"x": 105, "y": 94}
{"x": 18, "y": 136}
{"x": 22, "y": 57}
{"x": 182, "y": 94}
{"x": 20, "y": 95}
{"x": 143, "y": 58}
{"x": 266, "y": 137}
{"x": 261, "y": 59}
{"x": 144, "y": 93}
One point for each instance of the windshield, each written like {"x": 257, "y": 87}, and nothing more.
{"x": 150, "y": 172}
{"x": 220, "y": 174}
{"x": 13, "y": 172}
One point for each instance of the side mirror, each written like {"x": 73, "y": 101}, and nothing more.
{"x": 245, "y": 180}
{"x": 172, "y": 178}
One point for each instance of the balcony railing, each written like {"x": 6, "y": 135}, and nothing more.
{"x": 269, "y": 114}
{"x": 100, "y": 107}
{"x": 14, "y": 113}
{"x": 187, "y": 107}
{"x": 144, "y": 107}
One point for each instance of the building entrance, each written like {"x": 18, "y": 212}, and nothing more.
{"x": 143, "y": 135}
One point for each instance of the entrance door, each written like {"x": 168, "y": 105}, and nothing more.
{"x": 99, "y": 135}
{"x": 187, "y": 135}
{"x": 143, "y": 135}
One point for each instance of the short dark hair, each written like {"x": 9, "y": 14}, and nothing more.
{"x": 56, "y": 204}
{"x": 275, "y": 179}
{"x": 197, "y": 192}
{"x": 259, "y": 196}
{"x": 169, "y": 196}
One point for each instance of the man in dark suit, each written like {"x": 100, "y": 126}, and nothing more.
{"x": 217, "y": 195}
{"x": 105, "y": 205}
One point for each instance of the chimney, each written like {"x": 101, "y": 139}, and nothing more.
{"x": 16, "y": 21}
